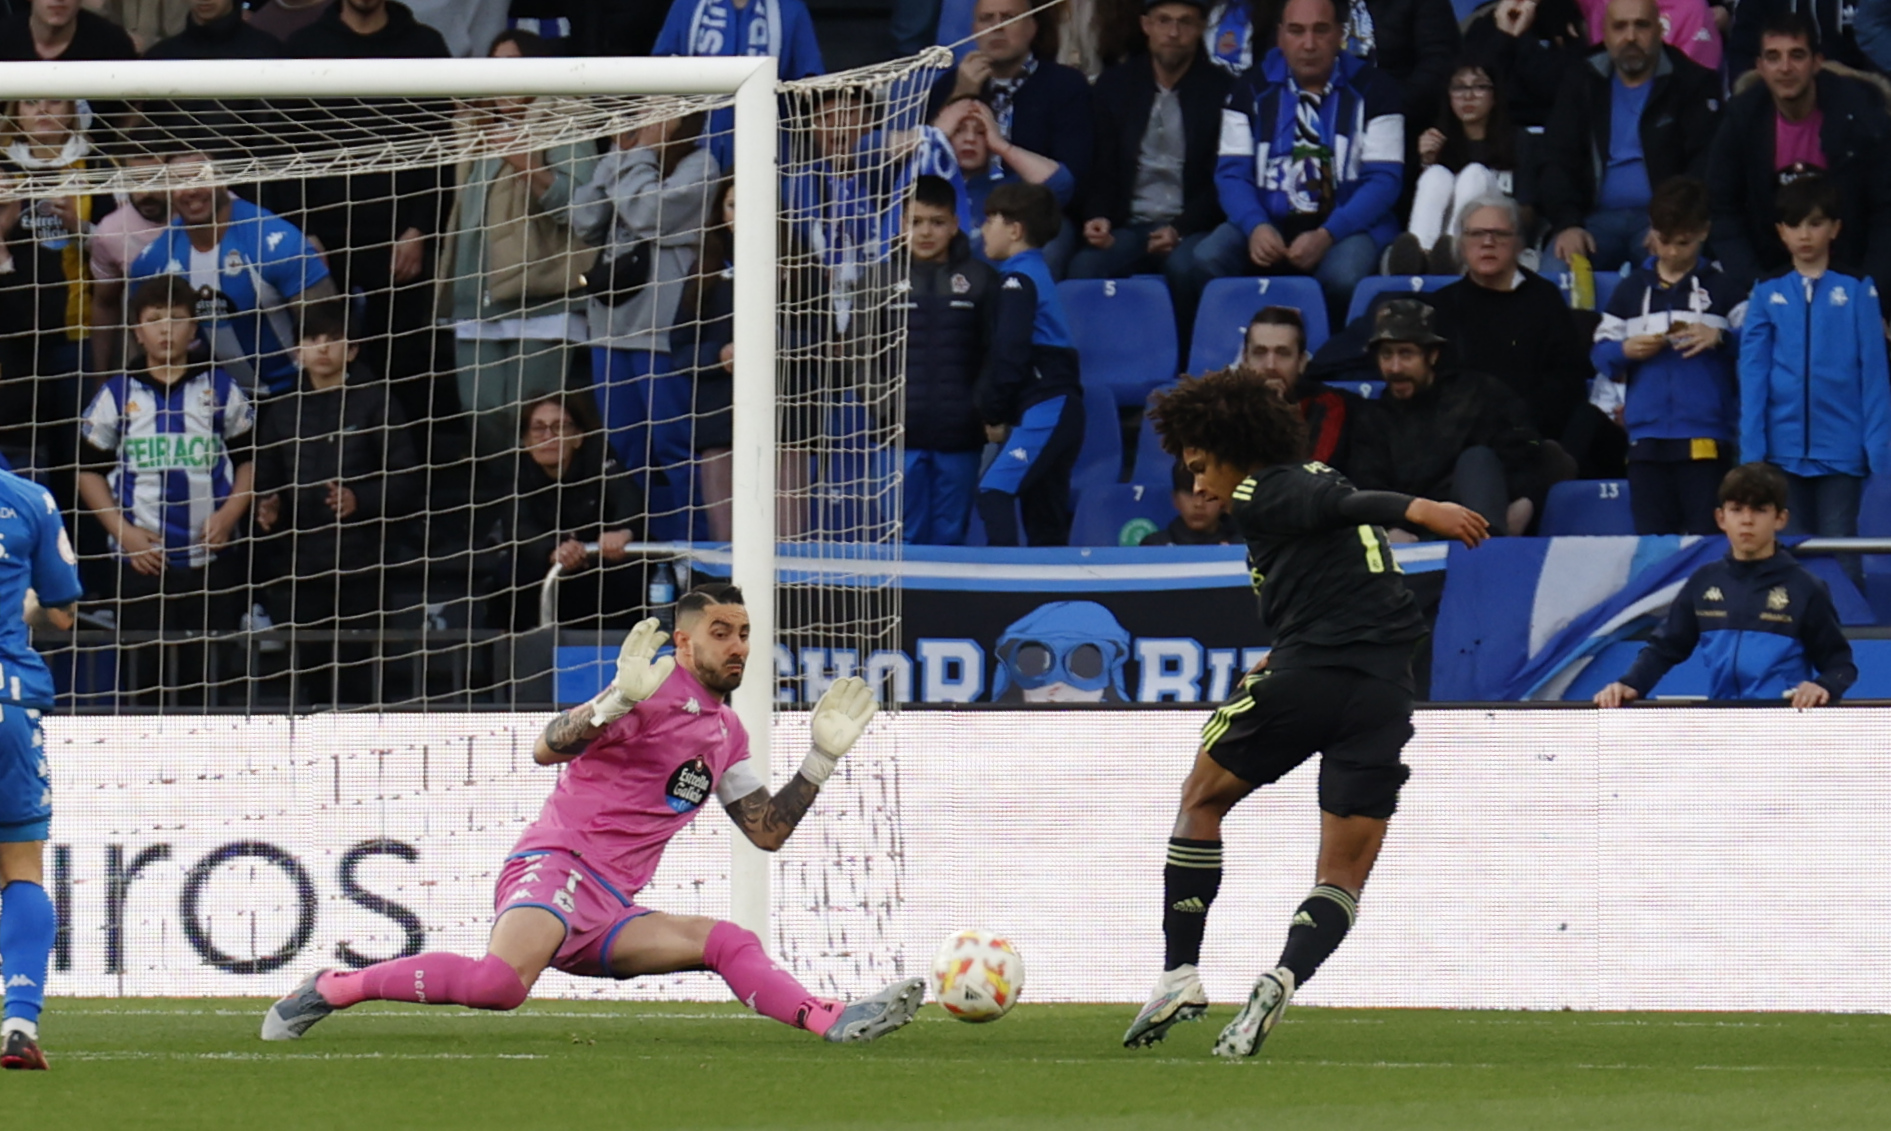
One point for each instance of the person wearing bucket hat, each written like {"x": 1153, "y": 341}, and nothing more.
{"x": 1445, "y": 434}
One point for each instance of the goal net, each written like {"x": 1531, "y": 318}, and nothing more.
{"x": 366, "y": 406}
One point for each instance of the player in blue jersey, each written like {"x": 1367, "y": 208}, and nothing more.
{"x": 39, "y": 576}
{"x": 248, "y": 268}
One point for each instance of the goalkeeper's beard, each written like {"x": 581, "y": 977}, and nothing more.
{"x": 721, "y": 680}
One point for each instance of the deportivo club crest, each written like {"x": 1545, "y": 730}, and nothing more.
{"x": 961, "y": 285}
{"x": 1776, "y": 599}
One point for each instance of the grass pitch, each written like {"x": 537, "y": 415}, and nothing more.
{"x": 198, "y": 1064}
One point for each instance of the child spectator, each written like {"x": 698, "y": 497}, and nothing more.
{"x": 947, "y": 310}
{"x": 976, "y": 140}
{"x": 335, "y": 469}
{"x": 1200, "y": 520}
{"x": 1666, "y": 335}
{"x": 1029, "y": 395}
{"x": 1765, "y": 623}
{"x": 1815, "y": 393}
{"x": 166, "y": 470}
{"x": 1473, "y": 152}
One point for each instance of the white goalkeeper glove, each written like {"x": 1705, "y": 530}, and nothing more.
{"x": 639, "y": 674}
{"x": 839, "y": 718}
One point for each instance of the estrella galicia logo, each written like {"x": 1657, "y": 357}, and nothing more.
{"x": 689, "y": 786}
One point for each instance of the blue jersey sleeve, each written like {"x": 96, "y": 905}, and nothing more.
{"x": 288, "y": 261}
{"x": 55, "y": 566}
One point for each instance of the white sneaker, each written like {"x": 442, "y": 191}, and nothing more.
{"x": 1243, "y": 1036}
{"x": 1178, "y": 996}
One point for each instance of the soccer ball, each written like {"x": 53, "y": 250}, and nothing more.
{"x": 977, "y": 976}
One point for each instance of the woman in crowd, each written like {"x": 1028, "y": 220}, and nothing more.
{"x": 569, "y": 490}
{"x": 511, "y": 265}
{"x": 1472, "y": 152}
{"x": 646, "y": 205}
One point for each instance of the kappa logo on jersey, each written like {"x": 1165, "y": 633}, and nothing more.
{"x": 692, "y": 707}
{"x": 1019, "y": 454}
{"x": 1713, "y": 594}
{"x": 1777, "y": 299}
{"x": 273, "y": 241}
{"x": 20, "y": 980}
{"x": 689, "y": 786}
{"x": 1012, "y": 284}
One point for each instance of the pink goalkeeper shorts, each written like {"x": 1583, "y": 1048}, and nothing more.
{"x": 591, "y": 909}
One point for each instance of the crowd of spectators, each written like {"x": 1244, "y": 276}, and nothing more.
{"x": 255, "y": 367}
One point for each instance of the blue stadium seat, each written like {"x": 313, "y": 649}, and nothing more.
{"x": 1372, "y": 286}
{"x": 1605, "y": 288}
{"x": 1125, "y": 332}
{"x": 1587, "y": 506}
{"x": 1152, "y": 464}
{"x": 1371, "y": 390}
{"x": 1462, "y": 9}
{"x": 1228, "y": 304}
{"x": 955, "y": 23}
{"x": 1100, "y": 460}
{"x": 1120, "y": 514}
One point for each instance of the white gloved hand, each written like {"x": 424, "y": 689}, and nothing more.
{"x": 639, "y": 674}
{"x": 839, "y": 718}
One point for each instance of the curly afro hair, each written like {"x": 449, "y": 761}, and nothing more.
{"x": 1233, "y": 416}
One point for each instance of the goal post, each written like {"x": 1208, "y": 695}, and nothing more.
{"x": 752, "y": 84}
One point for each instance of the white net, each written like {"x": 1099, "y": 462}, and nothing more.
{"x": 410, "y": 403}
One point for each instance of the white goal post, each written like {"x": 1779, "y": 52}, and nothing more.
{"x": 752, "y": 83}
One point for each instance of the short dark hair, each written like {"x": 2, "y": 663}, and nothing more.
{"x": 1799, "y": 198}
{"x": 1754, "y": 485}
{"x": 327, "y": 318}
{"x": 1033, "y": 206}
{"x": 1680, "y": 206}
{"x": 1277, "y": 316}
{"x": 1791, "y": 23}
{"x": 707, "y": 594}
{"x": 1232, "y": 417}
{"x": 936, "y": 192}
{"x": 162, "y": 292}
{"x": 531, "y": 45}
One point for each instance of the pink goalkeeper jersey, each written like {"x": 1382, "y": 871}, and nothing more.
{"x": 640, "y": 781}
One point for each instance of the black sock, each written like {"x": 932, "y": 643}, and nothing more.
{"x": 1319, "y": 926}
{"x": 1189, "y": 883}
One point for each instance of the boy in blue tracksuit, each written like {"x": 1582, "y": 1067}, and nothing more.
{"x": 1666, "y": 335}
{"x": 1815, "y": 390}
{"x": 1764, "y": 624}
{"x": 1029, "y": 395}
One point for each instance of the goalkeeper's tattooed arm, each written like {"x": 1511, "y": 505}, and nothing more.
{"x": 769, "y": 821}
{"x": 566, "y": 736}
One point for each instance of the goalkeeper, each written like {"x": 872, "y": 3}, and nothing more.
{"x": 644, "y": 756}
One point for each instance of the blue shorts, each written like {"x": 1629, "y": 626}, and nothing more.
{"x": 26, "y": 794}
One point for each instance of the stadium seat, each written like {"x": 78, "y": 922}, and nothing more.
{"x": 1587, "y": 506}
{"x": 955, "y": 24}
{"x": 1605, "y": 288}
{"x": 1125, "y": 332}
{"x": 1120, "y": 514}
{"x": 1151, "y": 464}
{"x": 1228, "y": 304}
{"x": 1100, "y": 460}
{"x": 1373, "y": 286}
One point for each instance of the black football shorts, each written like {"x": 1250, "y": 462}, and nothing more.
{"x": 1356, "y": 722}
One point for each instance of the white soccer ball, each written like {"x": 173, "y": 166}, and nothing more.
{"x": 977, "y": 976}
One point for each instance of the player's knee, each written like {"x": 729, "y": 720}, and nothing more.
{"x": 723, "y": 940}
{"x": 496, "y": 985}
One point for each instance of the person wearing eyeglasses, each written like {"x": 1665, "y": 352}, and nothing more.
{"x": 1472, "y": 152}
{"x": 1511, "y": 323}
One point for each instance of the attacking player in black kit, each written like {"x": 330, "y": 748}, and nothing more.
{"x": 1338, "y": 682}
